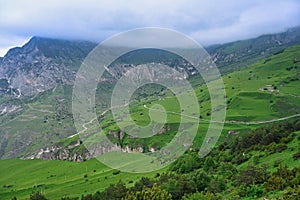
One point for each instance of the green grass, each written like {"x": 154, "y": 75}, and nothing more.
{"x": 46, "y": 119}
{"x": 247, "y": 100}
{"x": 245, "y": 103}
{"x": 283, "y": 158}
{"x": 57, "y": 178}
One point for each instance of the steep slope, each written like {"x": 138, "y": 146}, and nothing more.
{"x": 260, "y": 94}
{"x": 36, "y": 84}
{"x": 235, "y": 55}
{"x": 42, "y": 63}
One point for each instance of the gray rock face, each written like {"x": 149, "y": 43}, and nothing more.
{"x": 40, "y": 64}
{"x": 77, "y": 152}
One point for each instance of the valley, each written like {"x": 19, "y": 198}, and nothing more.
{"x": 41, "y": 151}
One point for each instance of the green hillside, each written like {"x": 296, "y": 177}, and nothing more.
{"x": 261, "y": 93}
{"x": 264, "y": 94}
{"x": 56, "y": 179}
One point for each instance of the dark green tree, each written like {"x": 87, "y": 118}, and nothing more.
{"x": 209, "y": 164}
{"x": 201, "y": 180}
{"x": 154, "y": 193}
{"x": 37, "y": 196}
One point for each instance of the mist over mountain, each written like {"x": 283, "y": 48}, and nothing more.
{"x": 42, "y": 63}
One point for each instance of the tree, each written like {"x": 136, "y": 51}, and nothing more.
{"x": 253, "y": 175}
{"x": 37, "y": 196}
{"x": 209, "y": 164}
{"x": 201, "y": 180}
{"x": 114, "y": 191}
{"x": 200, "y": 196}
{"x": 186, "y": 163}
{"x": 143, "y": 182}
{"x": 256, "y": 160}
{"x": 154, "y": 193}
{"x": 217, "y": 185}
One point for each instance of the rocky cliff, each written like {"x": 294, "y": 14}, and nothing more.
{"x": 40, "y": 64}
{"x": 77, "y": 152}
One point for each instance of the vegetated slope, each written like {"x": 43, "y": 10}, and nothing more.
{"x": 235, "y": 55}
{"x": 41, "y": 121}
{"x": 264, "y": 90}
{"x": 261, "y": 92}
{"x": 57, "y": 178}
{"x": 262, "y": 163}
{"x": 46, "y": 64}
{"x": 258, "y": 94}
{"x": 254, "y": 84}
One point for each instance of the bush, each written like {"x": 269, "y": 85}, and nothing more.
{"x": 116, "y": 172}
{"x": 253, "y": 175}
{"x": 201, "y": 180}
{"x": 154, "y": 193}
{"x": 216, "y": 185}
{"x": 186, "y": 163}
{"x": 283, "y": 178}
{"x": 296, "y": 156}
{"x": 277, "y": 162}
{"x": 37, "y": 196}
{"x": 70, "y": 198}
{"x": 200, "y": 196}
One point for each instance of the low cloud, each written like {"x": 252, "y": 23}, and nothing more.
{"x": 208, "y": 22}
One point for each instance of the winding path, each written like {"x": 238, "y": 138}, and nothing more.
{"x": 231, "y": 121}
{"x": 91, "y": 121}
{"x": 193, "y": 117}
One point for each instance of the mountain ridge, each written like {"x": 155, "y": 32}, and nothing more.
{"x": 57, "y": 60}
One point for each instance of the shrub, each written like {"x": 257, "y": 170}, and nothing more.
{"x": 37, "y": 196}
{"x": 116, "y": 172}
{"x": 296, "y": 156}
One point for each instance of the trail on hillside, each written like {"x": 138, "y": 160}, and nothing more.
{"x": 40, "y": 110}
{"x": 231, "y": 121}
{"x": 84, "y": 126}
{"x": 91, "y": 121}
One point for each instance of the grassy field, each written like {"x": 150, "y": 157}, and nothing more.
{"x": 58, "y": 178}
{"x": 263, "y": 91}
{"x": 47, "y": 118}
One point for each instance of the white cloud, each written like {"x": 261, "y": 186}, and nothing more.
{"x": 208, "y": 21}
{"x": 7, "y": 42}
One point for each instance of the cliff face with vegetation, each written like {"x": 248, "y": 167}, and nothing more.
{"x": 36, "y": 84}
{"x": 42, "y": 63}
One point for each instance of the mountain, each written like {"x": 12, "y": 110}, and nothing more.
{"x": 36, "y": 84}
{"x": 261, "y": 127}
{"x": 234, "y": 55}
{"x": 40, "y": 64}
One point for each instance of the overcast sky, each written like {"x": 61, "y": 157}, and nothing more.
{"x": 206, "y": 21}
